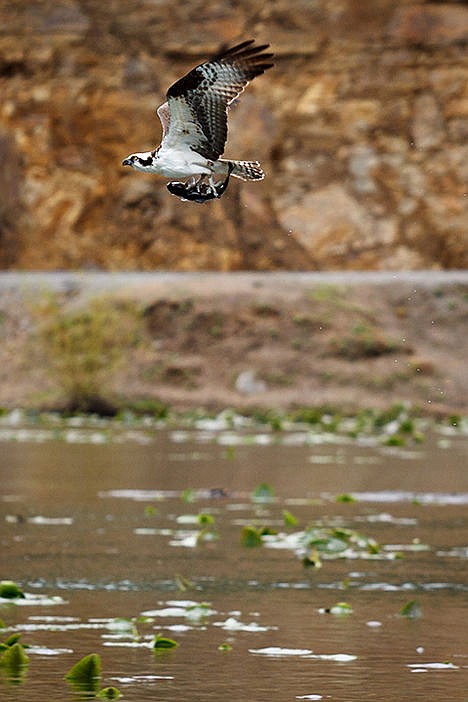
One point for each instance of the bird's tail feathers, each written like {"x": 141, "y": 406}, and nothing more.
{"x": 246, "y": 170}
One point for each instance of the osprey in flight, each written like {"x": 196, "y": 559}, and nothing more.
{"x": 194, "y": 125}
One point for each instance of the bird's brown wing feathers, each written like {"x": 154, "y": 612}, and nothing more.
{"x": 198, "y": 102}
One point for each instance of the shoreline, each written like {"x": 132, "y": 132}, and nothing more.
{"x": 245, "y": 340}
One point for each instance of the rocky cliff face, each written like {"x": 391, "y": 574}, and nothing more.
{"x": 362, "y": 128}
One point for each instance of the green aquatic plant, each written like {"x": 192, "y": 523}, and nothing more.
{"x": 355, "y": 539}
{"x": 269, "y": 417}
{"x": 14, "y": 662}
{"x": 345, "y": 497}
{"x": 10, "y": 641}
{"x": 207, "y": 535}
{"x": 230, "y": 453}
{"x": 85, "y": 676}
{"x": 394, "y": 440}
{"x": 144, "y": 407}
{"x": 109, "y": 693}
{"x": 312, "y": 559}
{"x": 86, "y": 673}
{"x": 188, "y": 495}
{"x": 393, "y": 413}
{"x": 312, "y": 415}
{"x": 275, "y": 421}
{"x": 251, "y": 536}
{"x": 128, "y": 625}
{"x": 200, "y": 610}
{"x": 162, "y": 643}
{"x": 334, "y": 542}
{"x": 263, "y": 493}
{"x": 411, "y": 610}
{"x": 370, "y": 422}
{"x": 183, "y": 583}
{"x": 454, "y": 420}
{"x": 204, "y": 518}
{"x": 289, "y": 519}
{"x": 225, "y": 647}
{"x": 325, "y": 540}
{"x": 9, "y": 590}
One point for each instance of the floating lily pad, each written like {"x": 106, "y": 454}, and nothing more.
{"x": 9, "y": 590}
{"x": 336, "y": 541}
{"x": 162, "y": 643}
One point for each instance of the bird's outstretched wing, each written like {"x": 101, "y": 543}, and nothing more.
{"x": 198, "y": 102}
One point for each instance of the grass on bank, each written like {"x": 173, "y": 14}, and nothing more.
{"x": 85, "y": 346}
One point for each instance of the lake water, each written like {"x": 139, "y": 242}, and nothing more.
{"x": 118, "y": 534}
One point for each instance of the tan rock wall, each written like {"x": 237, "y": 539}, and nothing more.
{"x": 362, "y": 127}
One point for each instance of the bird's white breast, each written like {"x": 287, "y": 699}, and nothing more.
{"x": 180, "y": 163}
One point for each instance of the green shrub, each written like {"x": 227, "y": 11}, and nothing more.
{"x": 84, "y": 346}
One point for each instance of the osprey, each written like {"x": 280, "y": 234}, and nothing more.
{"x": 194, "y": 125}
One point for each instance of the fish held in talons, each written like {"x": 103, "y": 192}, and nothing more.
{"x": 201, "y": 190}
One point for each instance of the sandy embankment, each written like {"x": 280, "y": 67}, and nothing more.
{"x": 279, "y": 340}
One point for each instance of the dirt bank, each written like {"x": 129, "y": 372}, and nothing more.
{"x": 214, "y": 340}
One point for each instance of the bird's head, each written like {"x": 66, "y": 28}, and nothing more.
{"x": 130, "y": 160}
{"x": 141, "y": 161}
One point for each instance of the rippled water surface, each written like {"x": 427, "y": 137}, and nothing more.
{"x": 118, "y": 535}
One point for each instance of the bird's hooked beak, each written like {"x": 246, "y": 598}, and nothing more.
{"x": 127, "y": 162}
